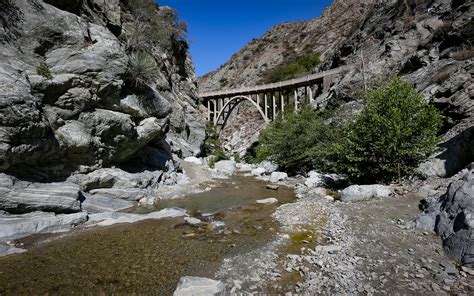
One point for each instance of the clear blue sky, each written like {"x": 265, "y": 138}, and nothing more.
{"x": 219, "y": 28}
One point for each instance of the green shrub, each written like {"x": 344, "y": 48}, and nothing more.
{"x": 212, "y": 146}
{"x": 390, "y": 137}
{"x": 297, "y": 67}
{"x": 297, "y": 141}
{"x": 43, "y": 70}
{"x": 141, "y": 68}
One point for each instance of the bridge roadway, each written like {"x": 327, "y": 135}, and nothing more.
{"x": 269, "y": 99}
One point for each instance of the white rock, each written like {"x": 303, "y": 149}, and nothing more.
{"x": 278, "y": 176}
{"x": 258, "y": 172}
{"x": 198, "y": 286}
{"x": 244, "y": 167}
{"x": 192, "y": 221}
{"x": 225, "y": 167}
{"x": 329, "y": 198}
{"x": 268, "y": 201}
{"x": 314, "y": 179}
{"x": 319, "y": 191}
{"x": 269, "y": 166}
{"x": 365, "y": 192}
{"x": 111, "y": 218}
{"x": 194, "y": 160}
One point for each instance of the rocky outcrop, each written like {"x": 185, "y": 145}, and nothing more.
{"x": 66, "y": 104}
{"x": 80, "y": 131}
{"x": 451, "y": 215}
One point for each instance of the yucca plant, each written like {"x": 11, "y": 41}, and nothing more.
{"x": 141, "y": 69}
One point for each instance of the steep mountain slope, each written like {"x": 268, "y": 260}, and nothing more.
{"x": 70, "y": 93}
{"x": 283, "y": 42}
{"x": 428, "y": 43}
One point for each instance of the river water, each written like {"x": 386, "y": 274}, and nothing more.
{"x": 148, "y": 257}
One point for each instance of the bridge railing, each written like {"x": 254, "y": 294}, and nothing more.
{"x": 300, "y": 81}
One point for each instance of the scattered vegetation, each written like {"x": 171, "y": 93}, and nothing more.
{"x": 396, "y": 131}
{"x": 155, "y": 25}
{"x": 297, "y": 67}
{"x": 141, "y": 68}
{"x": 223, "y": 82}
{"x": 212, "y": 146}
{"x": 43, "y": 70}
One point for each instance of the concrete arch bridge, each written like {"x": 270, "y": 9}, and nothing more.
{"x": 269, "y": 99}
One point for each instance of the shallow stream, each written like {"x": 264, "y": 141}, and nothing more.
{"x": 148, "y": 257}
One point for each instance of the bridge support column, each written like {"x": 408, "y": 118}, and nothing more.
{"x": 258, "y": 99}
{"x": 310, "y": 94}
{"x": 296, "y": 100}
{"x": 273, "y": 106}
{"x": 215, "y": 112}
{"x": 282, "y": 98}
{"x": 208, "y": 110}
{"x": 266, "y": 105}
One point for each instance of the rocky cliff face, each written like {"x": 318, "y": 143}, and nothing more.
{"x": 428, "y": 43}
{"x": 66, "y": 103}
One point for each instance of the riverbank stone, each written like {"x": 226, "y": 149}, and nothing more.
{"x": 226, "y": 167}
{"x": 198, "y": 286}
{"x": 267, "y": 201}
{"x": 365, "y": 192}
{"x": 278, "y": 176}
{"x": 193, "y": 160}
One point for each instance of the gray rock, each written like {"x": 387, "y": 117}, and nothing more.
{"x": 22, "y": 197}
{"x": 130, "y": 194}
{"x": 111, "y": 218}
{"x": 267, "y": 201}
{"x": 198, "y": 286}
{"x": 269, "y": 166}
{"x": 225, "y": 167}
{"x": 116, "y": 178}
{"x": 278, "y": 176}
{"x": 17, "y": 226}
{"x": 451, "y": 215}
{"x": 365, "y": 192}
{"x": 192, "y": 221}
{"x": 258, "y": 171}
{"x": 98, "y": 203}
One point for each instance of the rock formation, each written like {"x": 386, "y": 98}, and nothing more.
{"x": 73, "y": 107}
{"x": 451, "y": 215}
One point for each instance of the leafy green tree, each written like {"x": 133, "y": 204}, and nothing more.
{"x": 296, "y": 141}
{"x": 390, "y": 137}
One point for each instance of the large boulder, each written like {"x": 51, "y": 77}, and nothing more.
{"x": 198, "y": 286}
{"x": 22, "y": 197}
{"x": 18, "y": 226}
{"x": 365, "y": 192}
{"x": 278, "y": 176}
{"x": 98, "y": 203}
{"x": 116, "y": 178}
{"x": 451, "y": 215}
{"x": 225, "y": 167}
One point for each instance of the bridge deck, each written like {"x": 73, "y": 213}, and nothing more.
{"x": 287, "y": 84}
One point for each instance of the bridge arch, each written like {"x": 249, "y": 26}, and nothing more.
{"x": 233, "y": 102}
